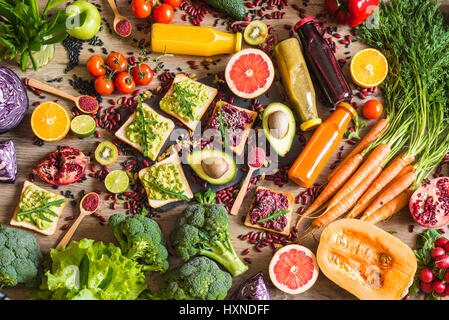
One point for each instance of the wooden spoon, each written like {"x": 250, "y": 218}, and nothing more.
{"x": 117, "y": 18}
{"x": 256, "y": 159}
{"x": 83, "y": 212}
{"x": 45, "y": 87}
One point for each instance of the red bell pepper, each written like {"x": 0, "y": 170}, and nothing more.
{"x": 351, "y": 12}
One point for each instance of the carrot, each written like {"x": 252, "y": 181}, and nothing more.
{"x": 369, "y": 138}
{"x": 392, "y": 207}
{"x": 332, "y": 187}
{"x": 391, "y": 172}
{"x": 374, "y": 161}
{"x": 395, "y": 188}
{"x": 345, "y": 204}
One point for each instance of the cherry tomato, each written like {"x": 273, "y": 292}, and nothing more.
{"x": 116, "y": 61}
{"x": 142, "y": 74}
{"x": 141, "y": 8}
{"x": 95, "y": 66}
{"x": 173, "y": 3}
{"x": 125, "y": 83}
{"x": 372, "y": 109}
{"x": 163, "y": 13}
{"x": 104, "y": 85}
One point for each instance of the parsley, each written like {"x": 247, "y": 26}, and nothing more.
{"x": 40, "y": 210}
{"x": 208, "y": 197}
{"x": 173, "y": 194}
{"x": 276, "y": 214}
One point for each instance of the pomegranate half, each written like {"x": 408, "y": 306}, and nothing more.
{"x": 429, "y": 204}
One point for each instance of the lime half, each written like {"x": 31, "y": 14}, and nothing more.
{"x": 83, "y": 126}
{"x": 117, "y": 181}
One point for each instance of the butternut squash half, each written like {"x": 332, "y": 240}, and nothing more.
{"x": 365, "y": 260}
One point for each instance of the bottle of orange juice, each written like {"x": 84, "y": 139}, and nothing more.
{"x": 193, "y": 40}
{"x": 321, "y": 146}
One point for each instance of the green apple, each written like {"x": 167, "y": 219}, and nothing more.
{"x": 83, "y": 20}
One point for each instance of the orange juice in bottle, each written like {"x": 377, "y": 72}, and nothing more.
{"x": 321, "y": 146}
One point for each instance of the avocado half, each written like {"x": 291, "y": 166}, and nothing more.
{"x": 196, "y": 158}
{"x": 282, "y": 144}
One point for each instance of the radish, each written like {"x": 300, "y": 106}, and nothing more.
{"x": 441, "y": 242}
{"x": 446, "y": 277}
{"x": 426, "y": 287}
{"x": 438, "y": 286}
{"x": 442, "y": 262}
{"x": 436, "y": 252}
{"x": 426, "y": 275}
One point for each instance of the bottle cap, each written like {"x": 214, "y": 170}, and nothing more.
{"x": 310, "y": 124}
{"x": 348, "y": 107}
{"x": 301, "y": 22}
{"x": 238, "y": 42}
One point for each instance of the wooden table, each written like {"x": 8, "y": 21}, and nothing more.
{"x": 28, "y": 154}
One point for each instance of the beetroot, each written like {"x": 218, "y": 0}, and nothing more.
{"x": 438, "y": 286}
{"x": 436, "y": 252}
{"x": 429, "y": 204}
{"x": 64, "y": 166}
{"x": 426, "y": 275}
{"x": 442, "y": 262}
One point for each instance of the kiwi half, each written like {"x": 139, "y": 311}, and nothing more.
{"x": 106, "y": 153}
{"x": 255, "y": 33}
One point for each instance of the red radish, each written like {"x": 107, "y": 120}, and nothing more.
{"x": 446, "y": 247}
{"x": 436, "y": 252}
{"x": 438, "y": 286}
{"x": 446, "y": 277}
{"x": 426, "y": 287}
{"x": 441, "y": 242}
{"x": 446, "y": 292}
{"x": 442, "y": 262}
{"x": 426, "y": 275}
{"x": 429, "y": 204}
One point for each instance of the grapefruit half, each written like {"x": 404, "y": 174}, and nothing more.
{"x": 249, "y": 73}
{"x": 293, "y": 269}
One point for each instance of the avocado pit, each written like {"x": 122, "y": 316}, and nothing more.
{"x": 215, "y": 167}
{"x": 278, "y": 124}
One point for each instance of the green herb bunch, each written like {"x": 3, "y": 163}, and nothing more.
{"x": 24, "y": 30}
{"x": 40, "y": 210}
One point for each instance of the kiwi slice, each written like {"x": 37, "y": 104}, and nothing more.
{"x": 255, "y": 33}
{"x": 106, "y": 153}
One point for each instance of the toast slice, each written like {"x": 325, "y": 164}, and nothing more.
{"x": 286, "y": 230}
{"x": 238, "y": 149}
{"x": 121, "y": 132}
{"x": 173, "y": 158}
{"x": 212, "y": 92}
{"x": 52, "y": 229}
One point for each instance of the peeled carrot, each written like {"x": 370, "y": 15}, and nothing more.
{"x": 369, "y": 138}
{"x": 345, "y": 204}
{"x": 374, "y": 161}
{"x": 396, "y": 187}
{"x": 391, "y": 172}
{"x": 332, "y": 187}
{"x": 392, "y": 207}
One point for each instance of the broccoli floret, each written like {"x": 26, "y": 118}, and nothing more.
{"x": 203, "y": 229}
{"x": 198, "y": 279}
{"x": 141, "y": 239}
{"x": 20, "y": 257}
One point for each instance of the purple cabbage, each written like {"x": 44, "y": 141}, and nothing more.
{"x": 255, "y": 288}
{"x": 13, "y": 100}
{"x": 8, "y": 162}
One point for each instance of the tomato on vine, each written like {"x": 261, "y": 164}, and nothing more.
{"x": 95, "y": 66}
{"x": 163, "y": 13}
{"x": 116, "y": 61}
{"x": 372, "y": 109}
{"x": 124, "y": 83}
{"x": 142, "y": 74}
{"x": 141, "y": 8}
{"x": 173, "y": 3}
{"x": 104, "y": 85}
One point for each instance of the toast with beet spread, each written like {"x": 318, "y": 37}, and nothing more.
{"x": 173, "y": 158}
{"x": 239, "y": 147}
{"x": 288, "y": 216}
{"x": 211, "y": 92}
{"x": 28, "y": 225}
{"x": 121, "y": 132}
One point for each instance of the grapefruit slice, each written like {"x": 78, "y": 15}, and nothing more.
{"x": 249, "y": 73}
{"x": 293, "y": 269}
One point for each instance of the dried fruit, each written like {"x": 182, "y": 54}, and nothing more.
{"x": 64, "y": 166}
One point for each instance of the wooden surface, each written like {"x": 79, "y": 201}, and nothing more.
{"x": 28, "y": 154}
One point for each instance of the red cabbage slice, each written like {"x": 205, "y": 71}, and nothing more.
{"x": 8, "y": 162}
{"x": 255, "y": 288}
{"x": 13, "y": 100}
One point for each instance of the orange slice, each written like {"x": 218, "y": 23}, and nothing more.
{"x": 369, "y": 68}
{"x": 50, "y": 121}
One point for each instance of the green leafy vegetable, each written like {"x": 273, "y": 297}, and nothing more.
{"x": 145, "y": 135}
{"x": 358, "y": 124}
{"x": 24, "y": 31}
{"x": 209, "y": 197}
{"x": 223, "y": 126}
{"x": 40, "y": 210}
{"x": 180, "y": 96}
{"x": 173, "y": 194}
{"x": 276, "y": 214}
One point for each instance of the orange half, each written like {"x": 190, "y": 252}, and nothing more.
{"x": 369, "y": 68}
{"x": 50, "y": 121}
